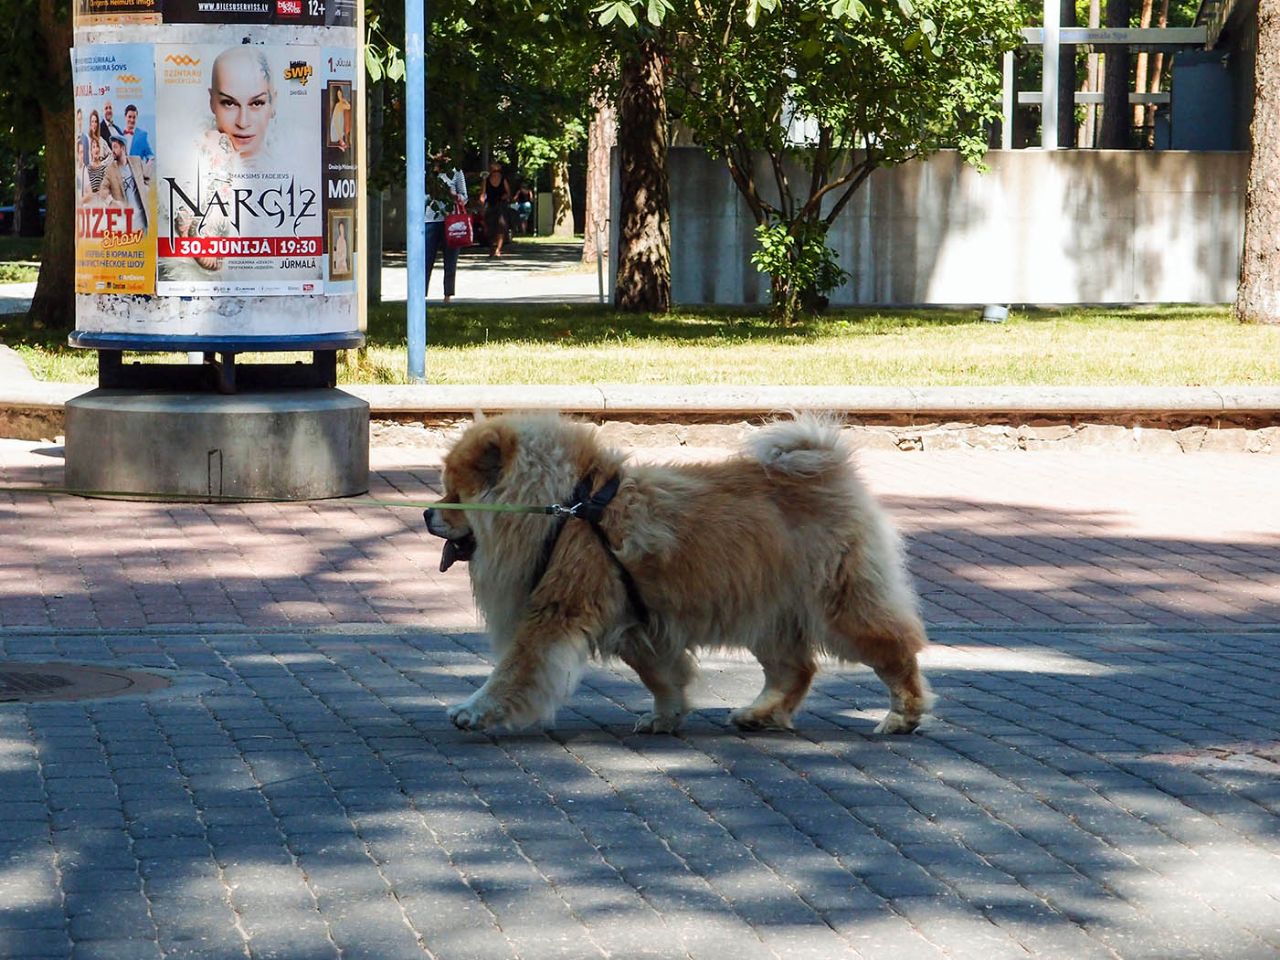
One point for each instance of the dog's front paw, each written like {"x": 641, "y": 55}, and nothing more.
{"x": 659, "y": 722}
{"x": 478, "y": 712}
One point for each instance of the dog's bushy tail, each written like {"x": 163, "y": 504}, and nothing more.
{"x": 807, "y": 445}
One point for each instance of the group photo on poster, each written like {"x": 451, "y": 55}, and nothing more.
{"x": 114, "y": 168}
{"x": 337, "y": 122}
{"x": 240, "y": 208}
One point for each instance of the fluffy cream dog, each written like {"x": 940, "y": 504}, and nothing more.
{"x": 781, "y": 551}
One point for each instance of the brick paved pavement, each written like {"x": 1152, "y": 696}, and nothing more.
{"x": 1101, "y": 780}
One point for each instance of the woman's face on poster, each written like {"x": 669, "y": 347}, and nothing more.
{"x": 240, "y": 97}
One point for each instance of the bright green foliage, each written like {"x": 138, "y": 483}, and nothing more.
{"x": 803, "y": 268}
{"x": 497, "y": 71}
{"x": 827, "y": 99}
{"x": 535, "y": 153}
{"x": 24, "y": 90}
{"x": 382, "y": 58}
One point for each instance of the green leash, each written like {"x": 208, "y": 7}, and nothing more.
{"x": 555, "y": 509}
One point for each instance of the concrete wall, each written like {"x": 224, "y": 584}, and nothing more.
{"x": 1062, "y": 227}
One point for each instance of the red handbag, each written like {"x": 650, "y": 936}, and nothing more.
{"x": 457, "y": 228}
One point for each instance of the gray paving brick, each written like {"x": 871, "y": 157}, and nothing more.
{"x": 115, "y": 921}
{"x": 37, "y": 944}
{"x": 116, "y": 950}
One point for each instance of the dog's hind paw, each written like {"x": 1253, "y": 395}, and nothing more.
{"x": 897, "y": 723}
{"x": 750, "y": 719}
{"x": 478, "y": 712}
{"x": 659, "y": 722}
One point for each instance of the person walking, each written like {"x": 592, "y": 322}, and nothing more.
{"x": 445, "y": 191}
{"x": 497, "y": 194}
{"x": 522, "y": 204}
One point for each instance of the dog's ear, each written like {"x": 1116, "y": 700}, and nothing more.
{"x": 495, "y": 447}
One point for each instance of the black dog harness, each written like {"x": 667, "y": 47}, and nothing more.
{"x": 588, "y": 506}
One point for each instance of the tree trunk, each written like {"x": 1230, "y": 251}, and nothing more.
{"x": 1258, "y": 296}
{"x": 1089, "y": 129}
{"x": 601, "y": 138}
{"x": 561, "y": 197}
{"x": 1140, "y": 74}
{"x": 1157, "y": 72}
{"x": 1115, "y": 83}
{"x": 53, "y": 306}
{"x": 644, "y": 232}
{"x": 1067, "y": 80}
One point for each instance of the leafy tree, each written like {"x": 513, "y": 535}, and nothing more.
{"x": 36, "y": 108}
{"x": 498, "y": 71}
{"x": 643, "y": 281}
{"x": 535, "y": 154}
{"x": 21, "y": 77}
{"x": 638, "y": 45}
{"x": 829, "y": 100}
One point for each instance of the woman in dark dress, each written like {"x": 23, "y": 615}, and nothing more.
{"x": 496, "y": 196}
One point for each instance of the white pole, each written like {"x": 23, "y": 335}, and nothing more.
{"x": 1049, "y": 81}
{"x": 415, "y": 184}
{"x": 1006, "y": 104}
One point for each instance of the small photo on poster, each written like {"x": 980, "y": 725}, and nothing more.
{"x": 341, "y": 232}
{"x": 341, "y": 111}
{"x": 340, "y": 177}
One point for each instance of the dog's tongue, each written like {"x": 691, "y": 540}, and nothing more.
{"x": 455, "y": 550}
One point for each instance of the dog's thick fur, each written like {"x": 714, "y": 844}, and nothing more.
{"x": 781, "y": 551}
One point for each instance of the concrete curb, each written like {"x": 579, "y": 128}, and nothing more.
{"x": 615, "y": 401}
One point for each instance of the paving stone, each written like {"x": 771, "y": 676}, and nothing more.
{"x": 116, "y": 950}
{"x": 35, "y": 944}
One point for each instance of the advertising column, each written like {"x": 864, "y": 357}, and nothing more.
{"x": 217, "y": 180}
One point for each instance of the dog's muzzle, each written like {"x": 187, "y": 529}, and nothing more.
{"x": 455, "y": 548}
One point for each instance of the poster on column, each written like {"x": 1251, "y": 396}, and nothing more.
{"x": 115, "y": 184}
{"x": 337, "y": 120}
{"x": 238, "y": 173}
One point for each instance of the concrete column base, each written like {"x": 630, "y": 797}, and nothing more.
{"x": 280, "y": 444}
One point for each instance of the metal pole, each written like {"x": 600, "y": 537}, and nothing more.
{"x": 600, "y": 225}
{"x": 415, "y": 184}
{"x": 1049, "y": 79}
{"x": 1006, "y": 104}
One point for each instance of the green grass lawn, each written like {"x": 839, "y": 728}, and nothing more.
{"x": 579, "y": 344}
